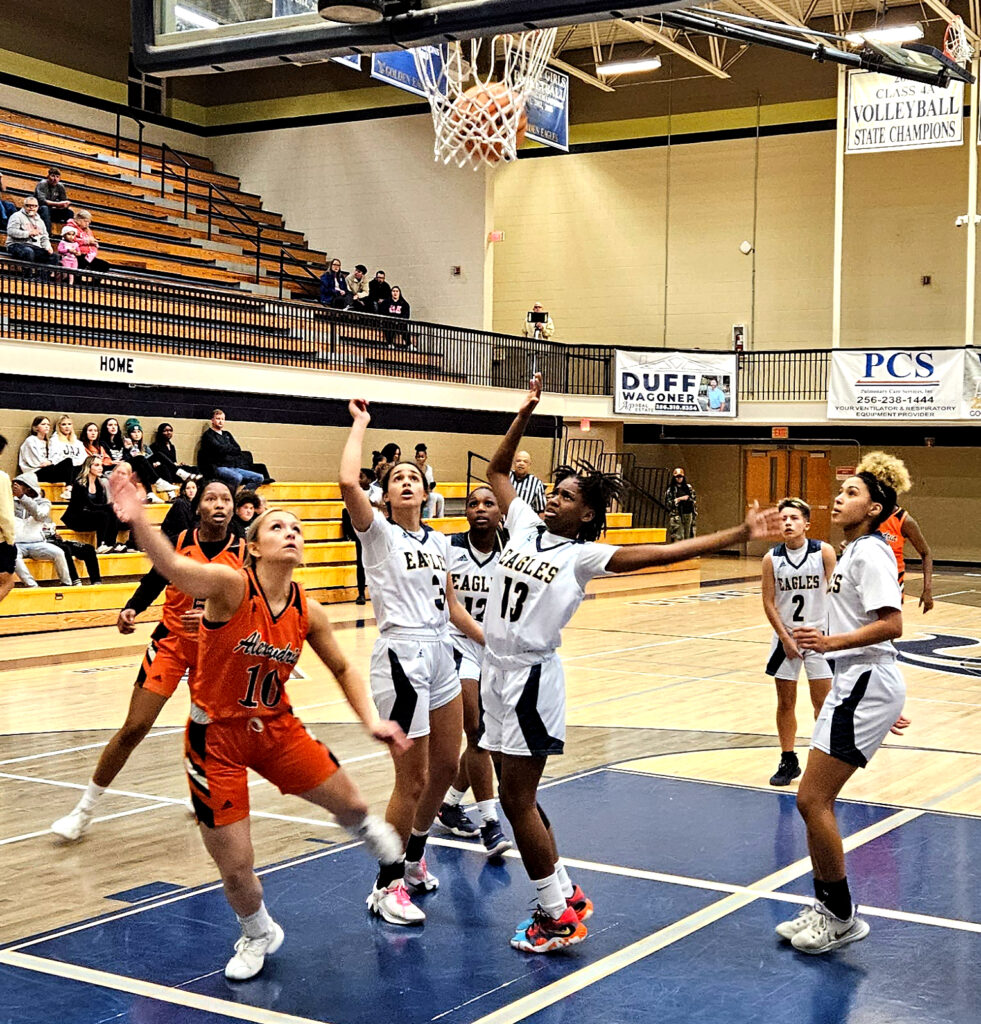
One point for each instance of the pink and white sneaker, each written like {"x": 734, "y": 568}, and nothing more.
{"x": 394, "y": 905}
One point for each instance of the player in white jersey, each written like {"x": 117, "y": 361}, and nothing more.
{"x": 473, "y": 556}
{"x": 539, "y": 583}
{"x": 864, "y": 705}
{"x": 795, "y": 586}
{"x": 412, "y": 672}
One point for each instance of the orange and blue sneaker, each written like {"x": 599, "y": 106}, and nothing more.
{"x": 580, "y": 903}
{"x": 546, "y": 934}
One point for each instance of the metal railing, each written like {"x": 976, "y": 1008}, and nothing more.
{"x": 139, "y": 144}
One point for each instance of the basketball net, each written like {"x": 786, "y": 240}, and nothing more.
{"x": 956, "y": 44}
{"x": 479, "y": 107}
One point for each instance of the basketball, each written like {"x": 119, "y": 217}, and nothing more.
{"x": 483, "y": 116}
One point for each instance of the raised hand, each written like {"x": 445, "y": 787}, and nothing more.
{"x": 128, "y": 499}
{"x": 534, "y": 395}
{"x": 358, "y": 408}
{"x": 763, "y": 524}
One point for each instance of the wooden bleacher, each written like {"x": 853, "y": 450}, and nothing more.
{"x": 141, "y": 230}
{"x": 328, "y": 572}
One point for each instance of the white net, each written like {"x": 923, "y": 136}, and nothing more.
{"x": 956, "y": 44}
{"x": 479, "y": 94}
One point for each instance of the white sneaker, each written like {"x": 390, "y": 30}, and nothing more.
{"x": 103, "y": 549}
{"x": 804, "y": 919}
{"x": 183, "y": 474}
{"x": 154, "y": 499}
{"x": 417, "y": 877}
{"x": 74, "y": 825}
{"x": 394, "y": 905}
{"x": 827, "y": 932}
{"x": 65, "y": 494}
{"x": 250, "y": 954}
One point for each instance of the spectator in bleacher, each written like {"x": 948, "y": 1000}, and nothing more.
{"x": 379, "y": 467}
{"x": 111, "y": 439}
{"x": 137, "y": 454}
{"x": 540, "y": 330}
{"x": 379, "y": 291}
{"x": 68, "y": 250}
{"x": 365, "y": 478}
{"x": 397, "y": 307}
{"x": 246, "y": 509}
{"x": 8, "y": 551}
{"x": 392, "y": 453}
{"x": 436, "y": 503}
{"x": 32, "y": 511}
{"x": 334, "y": 291}
{"x": 7, "y": 208}
{"x": 221, "y": 456}
{"x": 65, "y": 445}
{"x": 34, "y": 457}
{"x": 53, "y": 199}
{"x": 90, "y": 509}
{"x": 88, "y": 246}
{"x": 27, "y": 236}
{"x": 164, "y": 459}
{"x": 92, "y": 444}
{"x": 357, "y": 285}
{"x": 182, "y": 514}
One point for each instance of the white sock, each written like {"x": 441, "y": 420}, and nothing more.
{"x": 91, "y": 796}
{"x": 380, "y": 839}
{"x": 454, "y": 796}
{"x": 486, "y": 810}
{"x": 258, "y": 924}
{"x": 563, "y": 876}
{"x": 550, "y": 895}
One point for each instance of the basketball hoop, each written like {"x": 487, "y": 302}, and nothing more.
{"x": 479, "y": 105}
{"x": 956, "y": 44}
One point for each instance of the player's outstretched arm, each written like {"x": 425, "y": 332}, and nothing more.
{"x": 499, "y": 470}
{"x": 760, "y": 524}
{"x": 219, "y": 582}
{"x": 355, "y": 500}
{"x": 321, "y": 638}
{"x": 459, "y": 615}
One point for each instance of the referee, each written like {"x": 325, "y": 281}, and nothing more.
{"x": 526, "y": 485}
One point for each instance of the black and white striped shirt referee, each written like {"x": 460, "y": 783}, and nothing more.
{"x": 527, "y": 486}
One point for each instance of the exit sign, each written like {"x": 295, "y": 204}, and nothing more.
{"x": 779, "y": 433}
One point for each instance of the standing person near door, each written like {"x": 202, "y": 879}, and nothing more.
{"x": 682, "y": 506}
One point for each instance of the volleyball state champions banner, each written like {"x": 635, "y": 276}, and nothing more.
{"x": 659, "y": 384}
{"x": 904, "y": 384}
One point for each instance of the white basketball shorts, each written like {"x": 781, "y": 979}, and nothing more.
{"x": 523, "y": 708}
{"x": 411, "y": 677}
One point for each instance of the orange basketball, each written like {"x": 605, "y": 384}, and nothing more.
{"x": 488, "y": 110}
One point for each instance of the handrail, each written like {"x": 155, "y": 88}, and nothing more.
{"x": 471, "y": 456}
{"x": 139, "y": 149}
{"x": 302, "y": 264}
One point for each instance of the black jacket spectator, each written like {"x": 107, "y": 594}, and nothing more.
{"x": 333, "y": 287}
{"x": 220, "y": 451}
{"x": 379, "y": 291}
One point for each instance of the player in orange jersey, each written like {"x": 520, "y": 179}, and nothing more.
{"x": 173, "y": 647}
{"x": 253, "y": 628}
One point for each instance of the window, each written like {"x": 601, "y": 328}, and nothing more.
{"x": 144, "y": 91}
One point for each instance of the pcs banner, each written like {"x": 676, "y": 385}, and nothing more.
{"x": 659, "y": 384}
{"x": 891, "y": 384}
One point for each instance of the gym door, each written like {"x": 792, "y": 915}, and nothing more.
{"x": 775, "y": 473}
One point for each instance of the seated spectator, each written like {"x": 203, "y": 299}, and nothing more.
{"x": 27, "y": 236}
{"x": 247, "y": 505}
{"x": 397, "y": 306}
{"x": 365, "y": 478}
{"x": 92, "y": 444}
{"x": 88, "y": 247}
{"x": 136, "y": 453}
{"x": 357, "y": 285}
{"x": 391, "y": 453}
{"x": 111, "y": 439}
{"x": 379, "y": 467}
{"x": 221, "y": 456}
{"x": 334, "y": 291}
{"x": 8, "y": 551}
{"x": 436, "y": 503}
{"x": 31, "y": 512}
{"x": 379, "y": 291}
{"x": 68, "y": 250}
{"x": 90, "y": 508}
{"x": 53, "y": 199}
{"x": 64, "y": 444}
{"x": 163, "y": 457}
{"x": 182, "y": 514}
{"x": 7, "y": 208}
{"x": 34, "y": 458}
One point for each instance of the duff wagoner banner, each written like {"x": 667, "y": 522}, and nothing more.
{"x": 891, "y": 384}
{"x": 659, "y": 384}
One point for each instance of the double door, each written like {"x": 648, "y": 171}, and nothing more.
{"x": 775, "y": 473}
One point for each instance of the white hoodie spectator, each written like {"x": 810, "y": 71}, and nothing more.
{"x": 32, "y": 513}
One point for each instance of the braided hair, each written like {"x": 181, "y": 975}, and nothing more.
{"x": 599, "y": 491}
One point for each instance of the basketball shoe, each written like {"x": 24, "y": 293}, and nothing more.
{"x": 825, "y": 932}
{"x": 251, "y": 953}
{"x": 546, "y": 934}
{"x": 394, "y": 905}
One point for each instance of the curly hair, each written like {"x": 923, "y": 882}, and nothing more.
{"x": 599, "y": 491}
{"x": 887, "y": 469}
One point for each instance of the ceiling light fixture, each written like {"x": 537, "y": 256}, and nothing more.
{"x": 628, "y": 67}
{"x": 887, "y": 34}
{"x": 354, "y": 12}
{"x": 193, "y": 17}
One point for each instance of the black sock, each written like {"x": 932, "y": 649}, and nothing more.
{"x": 388, "y": 873}
{"x": 836, "y": 897}
{"x": 416, "y": 846}
{"x": 788, "y": 755}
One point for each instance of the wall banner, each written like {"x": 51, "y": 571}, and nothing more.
{"x": 659, "y": 384}
{"x": 398, "y": 68}
{"x": 886, "y": 113}
{"x": 892, "y": 384}
{"x": 548, "y": 110}
{"x": 972, "y": 385}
